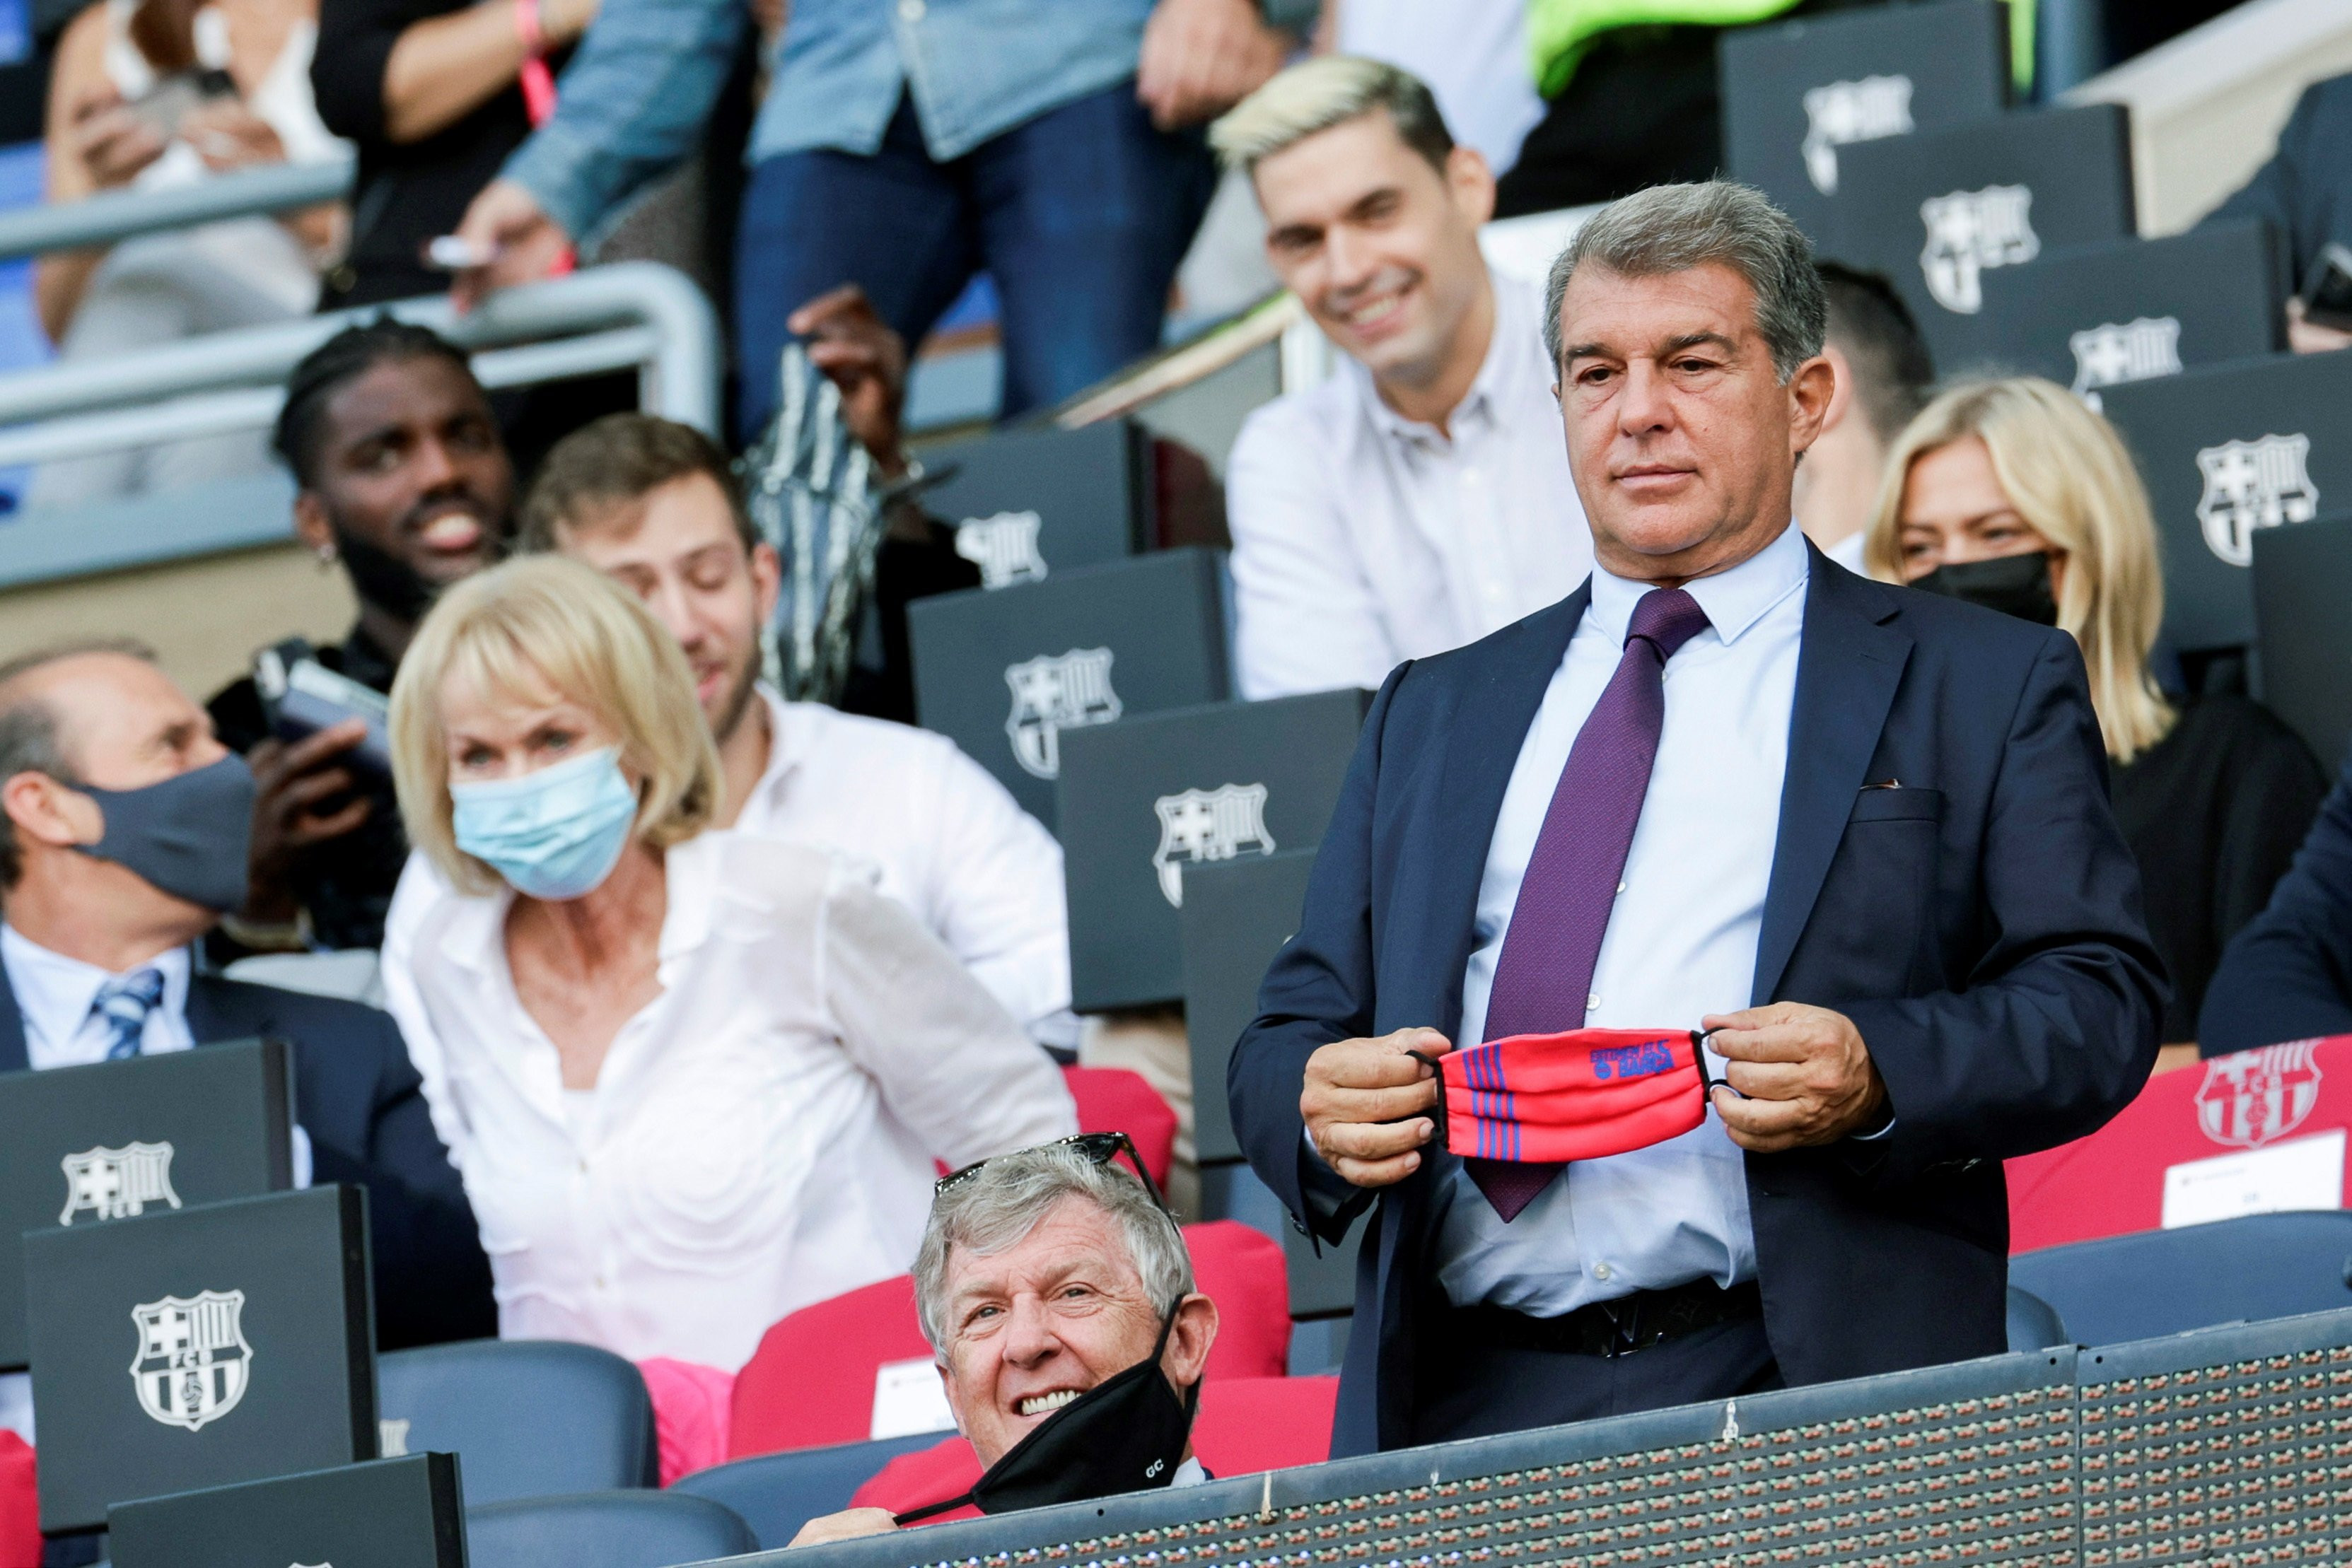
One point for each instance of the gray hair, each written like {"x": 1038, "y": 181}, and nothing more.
{"x": 1673, "y": 228}
{"x": 1322, "y": 93}
{"x": 30, "y": 741}
{"x": 996, "y": 1208}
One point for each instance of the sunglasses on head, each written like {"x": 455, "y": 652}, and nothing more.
{"x": 1099, "y": 1148}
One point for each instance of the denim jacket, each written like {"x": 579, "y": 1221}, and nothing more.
{"x": 639, "y": 92}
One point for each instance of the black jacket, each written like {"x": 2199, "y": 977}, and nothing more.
{"x": 364, "y": 1107}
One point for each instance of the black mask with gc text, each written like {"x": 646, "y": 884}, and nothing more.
{"x": 1125, "y": 1434}
{"x": 2015, "y": 585}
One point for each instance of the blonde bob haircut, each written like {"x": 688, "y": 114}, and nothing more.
{"x": 545, "y": 626}
{"x": 2067, "y": 474}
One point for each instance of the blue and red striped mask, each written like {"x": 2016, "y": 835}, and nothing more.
{"x": 1585, "y": 1095}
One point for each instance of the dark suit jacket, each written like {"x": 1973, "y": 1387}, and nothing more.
{"x": 2288, "y": 974}
{"x": 364, "y": 1107}
{"x": 1980, "y": 925}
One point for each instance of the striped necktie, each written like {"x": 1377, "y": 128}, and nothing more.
{"x": 124, "y": 1003}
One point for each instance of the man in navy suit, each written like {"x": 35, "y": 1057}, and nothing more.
{"x": 96, "y": 963}
{"x": 1861, "y": 832}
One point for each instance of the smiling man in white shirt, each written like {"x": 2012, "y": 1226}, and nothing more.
{"x": 1420, "y": 498}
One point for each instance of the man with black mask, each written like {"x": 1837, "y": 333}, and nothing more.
{"x": 400, "y": 478}
{"x": 1058, "y": 1295}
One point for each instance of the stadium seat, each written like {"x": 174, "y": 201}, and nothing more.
{"x": 811, "y": 1384}
{"x": 591, "y": 1426}
{"x": 1245, "y": 1425}
{"x": 2033, "y": 1324}
{"x": 603, "y": 1530}
{"x": 2257, "y": 1130}
{"x": 2164, "y": 1281}
{"x": 775, "y": 1494}
{"x": 1243, "y": 1272}
{"x": 1114, "y": 1100}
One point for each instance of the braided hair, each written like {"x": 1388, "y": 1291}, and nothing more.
{"x": 335, "y": 364}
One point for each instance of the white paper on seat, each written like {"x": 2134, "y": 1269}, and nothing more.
{"x": 2300, "y": 1174}
{"x": 909, "y": 1398}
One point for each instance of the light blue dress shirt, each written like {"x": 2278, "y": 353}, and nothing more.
{"x": 1681, "y": 942}
{"x": 636, "y": 97}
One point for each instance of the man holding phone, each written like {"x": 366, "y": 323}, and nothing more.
{"x": 401, "y": 478}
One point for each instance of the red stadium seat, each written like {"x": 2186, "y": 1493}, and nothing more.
{"x": 1242, "y": 1271}
{"x": 2248, "y": 1132}
{"x": 811, "y": 1381}
{"x": 20, "y": 1512}
{"x": 1113, "y": 1100}
{"x": 1246, "y": 1425}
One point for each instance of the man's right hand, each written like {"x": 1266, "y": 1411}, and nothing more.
{"x": 1365, "y": 1104}
{"x": 506, "y": 223}
{"x": 290, "y": 782}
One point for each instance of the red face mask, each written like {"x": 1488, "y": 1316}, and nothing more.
{"x": 1584, "y": 1095}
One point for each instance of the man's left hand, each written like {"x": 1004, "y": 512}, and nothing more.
{"x": 1805, "y": 1071}
{"x": 1202, "y": 56}
{"x": 848, "y": 1525}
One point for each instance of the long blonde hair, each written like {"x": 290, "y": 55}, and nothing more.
{"x": 2067, "y": 474}
{"x": 547, "y": 621}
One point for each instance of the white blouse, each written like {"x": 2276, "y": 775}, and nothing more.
{"x": 761, "y": 1137}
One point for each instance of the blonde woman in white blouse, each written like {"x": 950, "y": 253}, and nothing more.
{"x": 693, "y": 1079}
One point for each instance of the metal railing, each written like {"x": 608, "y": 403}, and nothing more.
{"x": 114, "y": 215}
{"x": 633, "y": 315}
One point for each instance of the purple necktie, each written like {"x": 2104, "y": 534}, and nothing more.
{"x": 1543, "y": 981}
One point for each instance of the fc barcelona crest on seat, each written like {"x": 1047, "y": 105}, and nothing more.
{"x": 117, "y": 1184}
{"x": 193, "y": 1363}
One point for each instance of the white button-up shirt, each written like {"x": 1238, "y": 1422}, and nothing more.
{"x": 761, "y": 1137}
{"x": 948, "y": 842}
{"x": 1681, "y": 942}
{"x": 1363, "y": 538}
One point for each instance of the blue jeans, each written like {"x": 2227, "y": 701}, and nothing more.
{"x": 1080, "y": 214}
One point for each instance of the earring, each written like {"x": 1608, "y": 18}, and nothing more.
{"x": 327, "y": 554}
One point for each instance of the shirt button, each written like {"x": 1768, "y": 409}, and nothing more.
{"x": 1620, "y": 887}
{"x": 1592, "y": 1001}
{"x": 1603, "y": 1272}
{"x": 600, "y": 1280}
{"x": 911, "y": 10}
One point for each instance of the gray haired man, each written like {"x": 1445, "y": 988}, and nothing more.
{"x": 1054, "y": 1287}
{"x": 1858, "y": 834}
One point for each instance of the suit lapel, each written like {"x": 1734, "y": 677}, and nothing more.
{"x": 1493, "y": 712}
{"x": 1849, "y": 664}
{"x": 14, "y": 1058}
{"x": 217, "y": 1011}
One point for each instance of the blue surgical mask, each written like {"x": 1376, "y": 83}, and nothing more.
{"x": 553, "y": 834}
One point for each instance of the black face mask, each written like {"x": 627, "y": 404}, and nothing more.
{"x": 188, "y": 834}
{"x": 1125, "y": 1434}
{"x": 2015, "y": 585}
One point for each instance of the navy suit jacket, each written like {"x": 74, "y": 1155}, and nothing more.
{"x": 363, "y": 1105}
{"x": 1980, "y": 925}
{"x": 2288, "y": 974}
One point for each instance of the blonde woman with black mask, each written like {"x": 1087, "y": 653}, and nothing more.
{"x": 2014, "y": 495}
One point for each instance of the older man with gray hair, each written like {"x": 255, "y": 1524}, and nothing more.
{"x": 1749, "y": 912}
{"x": 1057, "y": 1294}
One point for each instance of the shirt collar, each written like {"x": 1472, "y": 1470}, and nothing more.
{"x": 1734, "y": 600}
{"x": 55, "y": 993}
{"x": 1489, "y": 390}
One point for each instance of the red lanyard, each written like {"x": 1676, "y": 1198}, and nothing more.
{"x": 538, "y": 84}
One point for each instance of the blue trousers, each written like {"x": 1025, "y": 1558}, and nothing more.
{"x": 1080, "y": 214}
{"x": 1467, "y": 1388}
